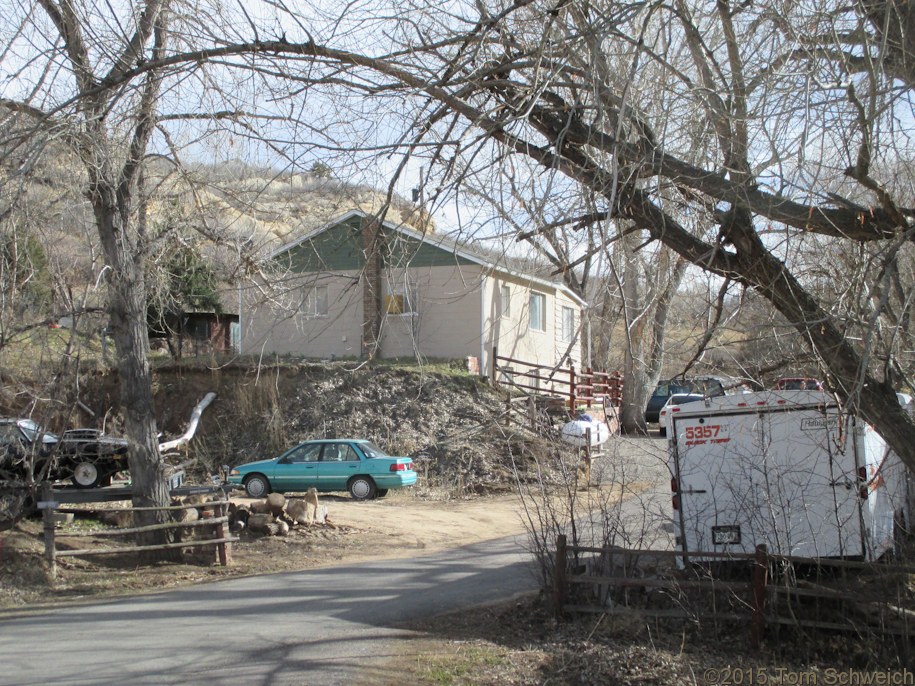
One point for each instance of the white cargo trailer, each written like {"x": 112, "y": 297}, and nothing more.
{"x": 786, "y": 469}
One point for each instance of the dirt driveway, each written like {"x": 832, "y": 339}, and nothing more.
{"x": 400, "y": 525}
{"x": 404, "y": 524}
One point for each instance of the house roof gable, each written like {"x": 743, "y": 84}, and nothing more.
{"x": 337, "y": 246}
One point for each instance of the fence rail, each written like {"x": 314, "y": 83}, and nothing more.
{"x": 585, "y": 387}
{"x": 758, "y": 601}
{"x": 216, "y": 524}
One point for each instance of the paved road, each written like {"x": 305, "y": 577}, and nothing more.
{"x": 643, "y": 518}
{"x": 315, "y": 627}
{"x": 298, "y": 628}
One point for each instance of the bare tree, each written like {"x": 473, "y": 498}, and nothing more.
{"x": 772, "y": 143}
{"x": 731, "y": 134}
{"x": 59, "y": 60}
{"x": 128, "y": 90}
{"x": 647, "y": 291}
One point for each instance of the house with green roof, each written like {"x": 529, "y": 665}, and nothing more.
{"x": 362, "y": 288}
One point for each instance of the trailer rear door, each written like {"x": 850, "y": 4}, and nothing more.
{"x": 783, "y": 476}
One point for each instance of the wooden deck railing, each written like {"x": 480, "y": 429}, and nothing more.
{"x": 580, "y": 387}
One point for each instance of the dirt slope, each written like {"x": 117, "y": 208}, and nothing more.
{"x": 449, "y": 422}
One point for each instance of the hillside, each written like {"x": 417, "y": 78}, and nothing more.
{"x": 270, "y": 209}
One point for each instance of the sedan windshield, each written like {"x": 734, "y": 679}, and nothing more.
{"x": 31, "y": 430}
{"x": 370, "y": 450}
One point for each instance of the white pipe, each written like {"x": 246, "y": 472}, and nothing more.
{"x": 483, "y": 368}
{"x": 191, "y": 427}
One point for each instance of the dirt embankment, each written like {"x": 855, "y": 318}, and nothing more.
{"x": 449, "y": 422}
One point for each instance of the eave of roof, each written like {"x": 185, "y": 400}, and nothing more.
{"x": 439, "y": 242}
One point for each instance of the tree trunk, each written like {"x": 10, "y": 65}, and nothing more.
{"x": 646, "y": 327}
{"x": 127, "y": 311}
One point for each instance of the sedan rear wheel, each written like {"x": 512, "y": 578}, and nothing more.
{"x": 362, "y": 488}
{"x": 86, "y": 475}
{"x": 257, "y": 486}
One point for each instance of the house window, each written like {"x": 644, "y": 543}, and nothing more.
{"x": 568, "y": 324}
{"x": 315, "y": 302}
{"x": 538, "y": 312}
{"x": 505, "y": 302}
{"x": 198, "y": 329}
{"x": 400, "y": 299}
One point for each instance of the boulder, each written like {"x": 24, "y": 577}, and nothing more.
{"x": 321, "y": 514}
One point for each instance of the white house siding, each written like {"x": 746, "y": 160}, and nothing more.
{"x": 446, "y": 324}
{"x": 277, "y": 326}
{"x": 513, "y": 335}
{"x": 575, "y": 352}
{"x": 456, "y": 313}
{"x": 447, "y": 321}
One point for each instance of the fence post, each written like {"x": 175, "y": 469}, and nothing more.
{"x": 559, "y": 575}
{"x": 223, "y": 549}
{"x": 572, "y": 389}
{"x": 493, "y": 376}
{"x": 760, "y": 580}
{"x": 585, "y": 466}
{"x": 47, "y": 515}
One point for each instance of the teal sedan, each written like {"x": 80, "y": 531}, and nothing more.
{"x": 350, "y": 465}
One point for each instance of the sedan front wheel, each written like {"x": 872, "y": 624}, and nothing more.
{"x": 257, "y": 486}
{"x": 362, "y": 488}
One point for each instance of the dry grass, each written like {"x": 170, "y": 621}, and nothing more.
{"x": 522, "y": 643}
{"x": 23, "y": 571}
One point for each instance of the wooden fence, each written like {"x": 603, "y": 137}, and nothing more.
{"x": 586, "y": 387}
{"x": 765, "y": 599}
{"x": 216, "y": 525}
